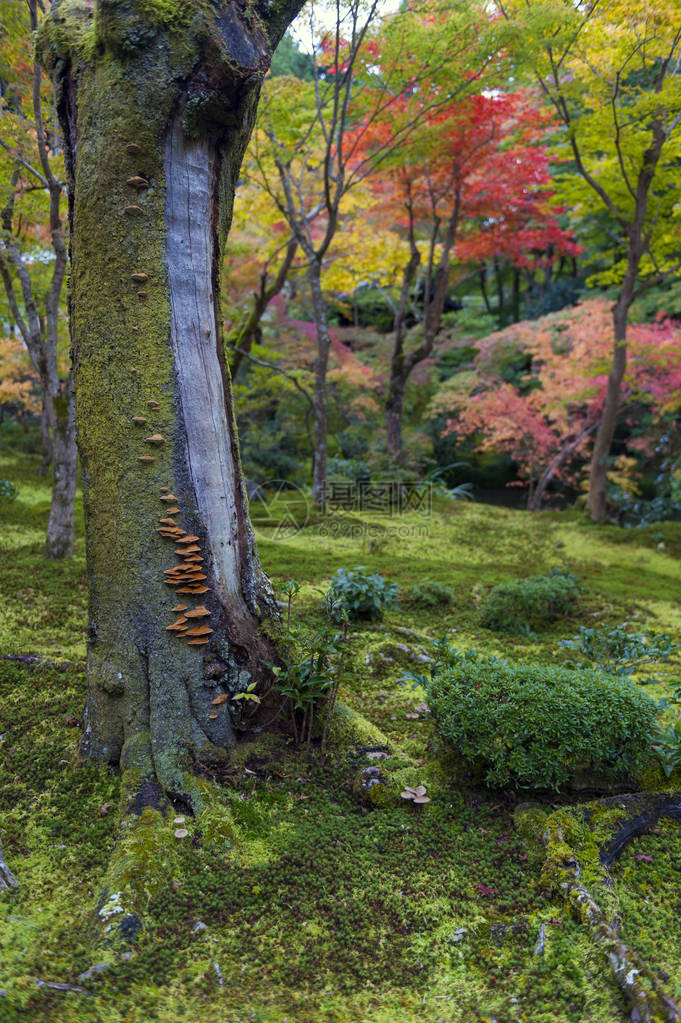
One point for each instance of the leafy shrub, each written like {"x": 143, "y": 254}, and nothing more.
{"x": 357, "y": 594}
{"x": 522, "y": 603}
{"x": 620, "y": 651}
{"x": 530, "y": 726}
{"x": 430, "y": 593}
{"x": 8, "y": 492}
{"x": 667, "y": 747}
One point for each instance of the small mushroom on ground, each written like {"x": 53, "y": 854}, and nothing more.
{"x": 173, "y": 511}
{"x": 164, "y": 490}
{"x": 139, "y": 420}
{"x": 181, "y": 833}
{"x": 166, "y": 496}
{"x": 219, "y": 699}
{"x": 146, "y": 459}
{"x": 139, "y": 277}
{"x": 202, "y": 630}
{"x": 197, "y": 589}
{"x": 156, "y": 439}
{"x": 137, "y": 181}
{"x": 153, "y": 405}
{"x": 132, "y": 149}
{"x": 168, "y": 522}
{"x": 141, "y": 294}
{"x": 193, "y": 549}
{"x": 416, "y": 795}
{"x": 197, "y": 642}
{"x": 180, "y": 607}
{"x": 134, "y": 211}
{"x": 179, "y": 820}
{"x": 188, "y": 538}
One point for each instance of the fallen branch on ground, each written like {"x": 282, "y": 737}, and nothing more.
{"x": 577, "y": 861}
{"x": 7, "y": 878}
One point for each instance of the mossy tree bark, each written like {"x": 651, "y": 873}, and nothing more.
{"x": 157, "y": 101}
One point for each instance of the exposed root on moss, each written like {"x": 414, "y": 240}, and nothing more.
{"x": 581, "y": 844}
{"x": 145, "y": 857}
{"x": 7, "y": 878}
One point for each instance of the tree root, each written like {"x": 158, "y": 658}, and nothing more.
{"x": 7, "y": 878}
{"x": 581, "y": 844}
{"x": 144, "y": 860}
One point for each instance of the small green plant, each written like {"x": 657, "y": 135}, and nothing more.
{"x": 461, "y": 492}
{"x": 667, "y": 747}
{"x": 430, "y": 593}
{"x": 529, "y": 726}
{"x": 8, "y": 492}
{"x": 356, "y": 594}
{"x": 619, "y": 651}
{"x": 248, "y": 694}
{"x": 520, "y": 605}
{"x": 311, "y": 676}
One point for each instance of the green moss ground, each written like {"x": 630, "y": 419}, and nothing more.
{"x": 316, "y": 908}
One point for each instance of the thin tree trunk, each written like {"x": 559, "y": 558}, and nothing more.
{"x": 598, "y": 476}
{"x": 320, "y": 395}
{"x": 241, "y": 340}
{"x": 435, "y": 295}
{"x": 516, "y": 294}
{"x": 398, "y": 379}
{"x": 59, "y": 542}
{"x": 482, "y": 279}
{"x": 501, "y": 300}
{"x": 45, "y": 439}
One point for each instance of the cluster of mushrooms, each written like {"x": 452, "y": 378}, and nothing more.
{"x": 417, "y": 795}
{"x": 185, "y": 577}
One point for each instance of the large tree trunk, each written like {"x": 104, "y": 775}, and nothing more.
{"x": 156, "y": 118}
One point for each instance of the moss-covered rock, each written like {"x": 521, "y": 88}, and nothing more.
{"x": 350, "y": 730}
